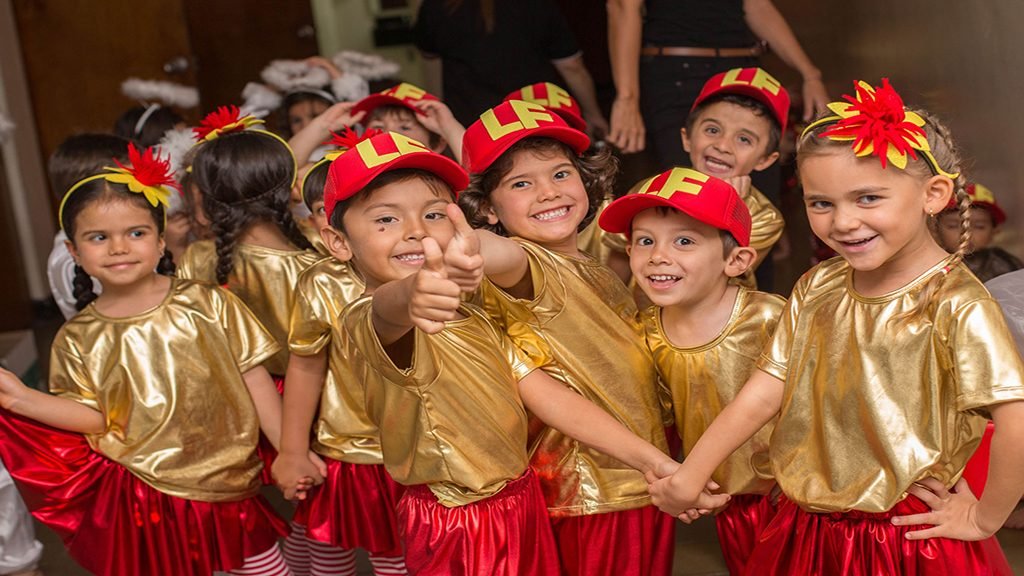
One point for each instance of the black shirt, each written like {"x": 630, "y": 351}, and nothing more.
{"x": 480, "y": 68}
{"x": 697, "y": 23}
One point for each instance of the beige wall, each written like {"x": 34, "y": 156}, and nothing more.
{"x": 961, "y": 60}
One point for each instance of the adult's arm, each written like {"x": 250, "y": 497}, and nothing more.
{"x": 581, "y": 84}
{"x": 625, "y": 27}
{"x": 768, "y": 24}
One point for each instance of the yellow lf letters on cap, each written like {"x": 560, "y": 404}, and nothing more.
{"x": 403, "y": 145}
{"x": 679, "y": 180}
{"x": 528, "y": 115}
{"x": 761, "y": 80}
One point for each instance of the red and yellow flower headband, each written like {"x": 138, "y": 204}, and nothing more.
{"x": 146, "y": 174}
{"x": 876, "y": 121}
{"x": 342, "y": 141}
{"x": 228, "y": 120}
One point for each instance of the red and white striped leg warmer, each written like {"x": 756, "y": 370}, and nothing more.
{"x": 330, "y": 561}
{"x": 388, "y": 565}
{"x": 296, "y": 550}
{"x": 269, "y": 563}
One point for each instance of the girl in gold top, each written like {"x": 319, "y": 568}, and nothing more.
{"x": 442, "y": 382}
{"x": 531, "y": 180}
{"x": 145, "y": 459}
{"x": 882, "y": 370}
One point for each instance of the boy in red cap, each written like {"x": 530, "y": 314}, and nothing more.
{"x": 445, "y": 387}
{"x": 985, "y": 216}
{"x": 689, "y": 236}
{"x": 733, "y": 129}
{"x": 534, "y": 185}
{"x": 412, "y": 111}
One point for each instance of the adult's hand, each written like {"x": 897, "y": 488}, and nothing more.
{"x": 627, "y": 126}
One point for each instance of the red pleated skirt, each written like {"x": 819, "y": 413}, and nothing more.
{"x": 355, "y": 507}
{"x": 638, "y": 542}
{"x": 507, "y": 534}
{"x": 862, "y": 544}
{"x": 739, "y": 527}
{"x": 114, "y": 524}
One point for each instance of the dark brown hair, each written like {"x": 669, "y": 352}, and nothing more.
{"x": 81, "y": 156}
{"x": 597, "y": 170}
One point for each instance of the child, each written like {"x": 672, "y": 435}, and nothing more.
{"x": 733, "y": 129}
{"x": 355, "y": 506}
{"x": 689, "y": 236}
{"x": 984, "y": 218}
{"x": 446, "y": 394}
{"x": 991, "y": 262}
{"x": 163, "y": 377}
{"x": 77, "y": 157}
{"x": 413, "y": 112}
{"x": 882, "y": 369}
{"x": 530, "y": 182}
{"x": 245, "y": 178}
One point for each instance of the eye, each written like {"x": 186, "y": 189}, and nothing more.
{"x": 562, "y": 174}
{"x": 137, "y": 233}
{"x": 643, "y": 241}
{"x": 746, "y": 140}
{"x": 683, "y": 241}
{"x": 869, "y": 199}
{"x": 321, "y": 211}
{"x": 519, "y": 184}
{"x": 435, "y": 216}
{"x": 385, "y": 220}
{"x": 96, "y": 237}
{"x": 711, "y": 130}
{"x": 819, "y": 205}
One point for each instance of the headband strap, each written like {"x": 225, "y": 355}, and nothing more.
{"x": 876, "y": 123}
{"x": 145, "y": 117}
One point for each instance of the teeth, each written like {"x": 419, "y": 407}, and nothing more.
{"x": 410, "y": 257}
{"x": 552, "y": 214}
{"x": 663, "y": 278}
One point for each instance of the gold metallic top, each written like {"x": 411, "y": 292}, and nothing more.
{"x": 701, "y": 380}
{"x": 582, "y": 326}
{"x": 343, "y": 431}
{"x": 169, "y": 384}
{"x": 766, "y": 226}
{"x": 453, "y": 420}
{"x": 874, "y": 402}
{"x": 600, "y": 244}
{"x": 312, "y": 234}
{"x": 264, "y": 278}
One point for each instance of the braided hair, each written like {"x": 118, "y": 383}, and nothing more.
{"x": 245, "y": 178}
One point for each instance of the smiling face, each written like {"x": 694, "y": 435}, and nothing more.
{"x": 874, "y": 217}
{"x": 384, "y": 229}
{"x": 117, "y": 242}
{"x": 541, "y": 199}
{"x": 678, "y": 260}
{"x": 729, "y": 140}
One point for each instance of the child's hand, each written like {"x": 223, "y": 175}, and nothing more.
{"x": 12, "y": 390}
{"x": 677, "y": 496}
{"x": 463, "y": 262}
{"x": 295, "y": 474}
{"x": 337, "y": 117}
{"x": 435, "y": 299}
{"x": 321, "y": 62}
{"x": 741, "y": 184}
{"x": 954, "y": 514}
{"x": 435, "y": 116}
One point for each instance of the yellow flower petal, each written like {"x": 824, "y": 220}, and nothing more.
{"x": 895, "y": 158}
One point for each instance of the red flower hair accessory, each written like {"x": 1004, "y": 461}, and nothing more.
{"x": 146, "y": 174}
{"x": 877, "y": 123}
{"x": 223, "y": 120}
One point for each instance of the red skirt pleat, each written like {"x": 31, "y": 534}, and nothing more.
{"x": 507, "y": 534}
{"x": 862, "y": 544}
{"x": 114, "y": 524}
{"x": 355, "y": 507}
{"x": 638, "y": 542}
{"x": 739, "y": 526}
{"x": 976, "y": 471}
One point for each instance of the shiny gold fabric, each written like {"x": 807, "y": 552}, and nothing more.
{"x": 263, "y": 278}
{"x": 582, "y": 326}
{"x": 600, "y": 244}
{"x": 453, "y": 420}
{"x": 343, "y": 431}
{"x": 169, "y": 384}
{"x": 701, "y": 380}
{"x": 765, "y": 230}
{"x": 874, "y": 402}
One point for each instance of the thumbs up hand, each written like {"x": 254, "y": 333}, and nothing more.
{"x": 463, "y": 262}
{"x": 435, "y": 298}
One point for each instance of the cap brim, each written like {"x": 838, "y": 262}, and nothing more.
{"x": 617, "y": 217}
{"x": 571, "y": 137}
{"x": 374, "y": 101}
{"x": 442, "y": 167}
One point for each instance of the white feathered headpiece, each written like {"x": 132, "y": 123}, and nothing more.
{"x": 160, "y": 91}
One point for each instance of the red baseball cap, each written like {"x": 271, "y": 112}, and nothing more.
{"x": 388, "y": 151}
{"x": 554, "y": 98}
{"x": 981, "y": 196}
{"x": 403, "y": 95}
{"x": 752, "y": 82}
{"x": 710, "y": 200}
{"x": 509, "y": 122}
